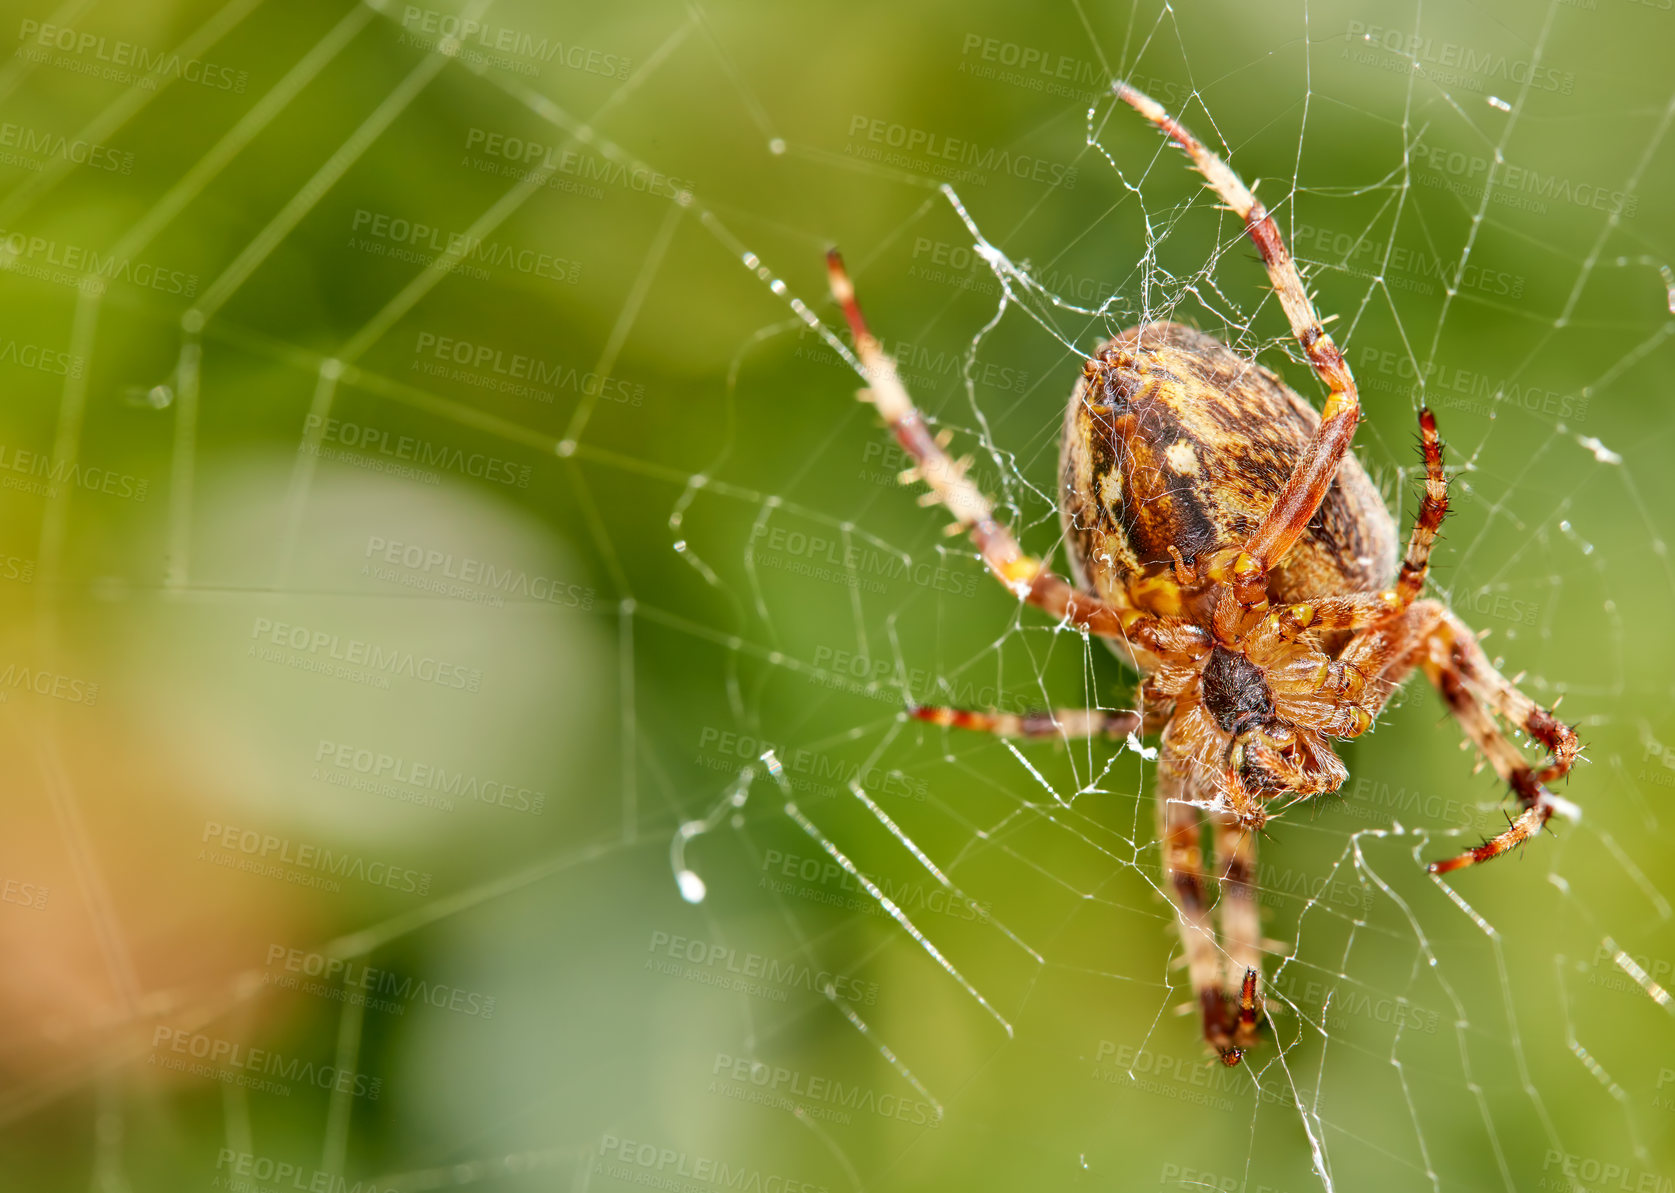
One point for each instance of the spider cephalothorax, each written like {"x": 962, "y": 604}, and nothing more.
{"x": 1226, "y": 542}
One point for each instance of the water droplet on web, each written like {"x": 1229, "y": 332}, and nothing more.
{"x": 156, "y": 397}
{"x": 776, "y": 146}
{"x": 692, "y": 887}
{"x": 1496, "y": 101}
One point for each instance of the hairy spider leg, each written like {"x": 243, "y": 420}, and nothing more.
{"x": 1027, "y": 577}
{"x": 1470, "y": 685}
{"x": 1062, "y": 722}
{"x": 1371, "y": 666}
{"x": 1250, "y": 1020}
{"x": 1427, "y": 635}
{"x": 1317, "y": 466}
{"x": 1241, "y": 926}
{"x": 1180, "y": 829}
{"x": 1361, "y": 610}
{"x": 1433, "y": 508}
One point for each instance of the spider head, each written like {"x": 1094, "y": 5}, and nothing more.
{"x": 1266, "y": 754}
{"x": 1231, "y": 1056}
{"x": 1235, "y": 692}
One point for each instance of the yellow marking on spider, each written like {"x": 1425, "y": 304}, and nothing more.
{"x": 1020, "y": 573}
{"x": 1182, "y": 458}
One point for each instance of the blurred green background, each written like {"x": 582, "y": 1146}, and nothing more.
{"x": 422, "y": 497}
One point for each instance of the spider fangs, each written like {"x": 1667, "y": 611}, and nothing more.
{"x": 1228, "y": 545}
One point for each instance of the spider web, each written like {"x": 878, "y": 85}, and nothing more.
{"x": 460, "y": 679}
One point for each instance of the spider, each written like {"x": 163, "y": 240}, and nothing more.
{"x": 1232, "y": 550}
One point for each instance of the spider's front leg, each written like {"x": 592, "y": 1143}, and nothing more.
{"x": 1023, "y": 574}
{"x": 1317, "y": 466}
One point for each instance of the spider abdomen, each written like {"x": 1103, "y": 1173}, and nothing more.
{"x": 1173, "y": 440}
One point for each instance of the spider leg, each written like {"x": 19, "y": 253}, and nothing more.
{"x": 1361, "y": 610}
{"x": 1241, "y": 928}
{"x": 1430, "y": 637}
{"x": 1372, "y": 665}
{"x": 1317, "y": 466}
{"x": 1026, "y": 576}
{"x": 1473, "y": 689}
{"x": 1063, "y": 722}
{"x": 1433, "y": 508}
{"x": 1179, "y": 830}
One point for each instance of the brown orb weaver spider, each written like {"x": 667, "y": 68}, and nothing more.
{"x": 1231, "y": 548}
